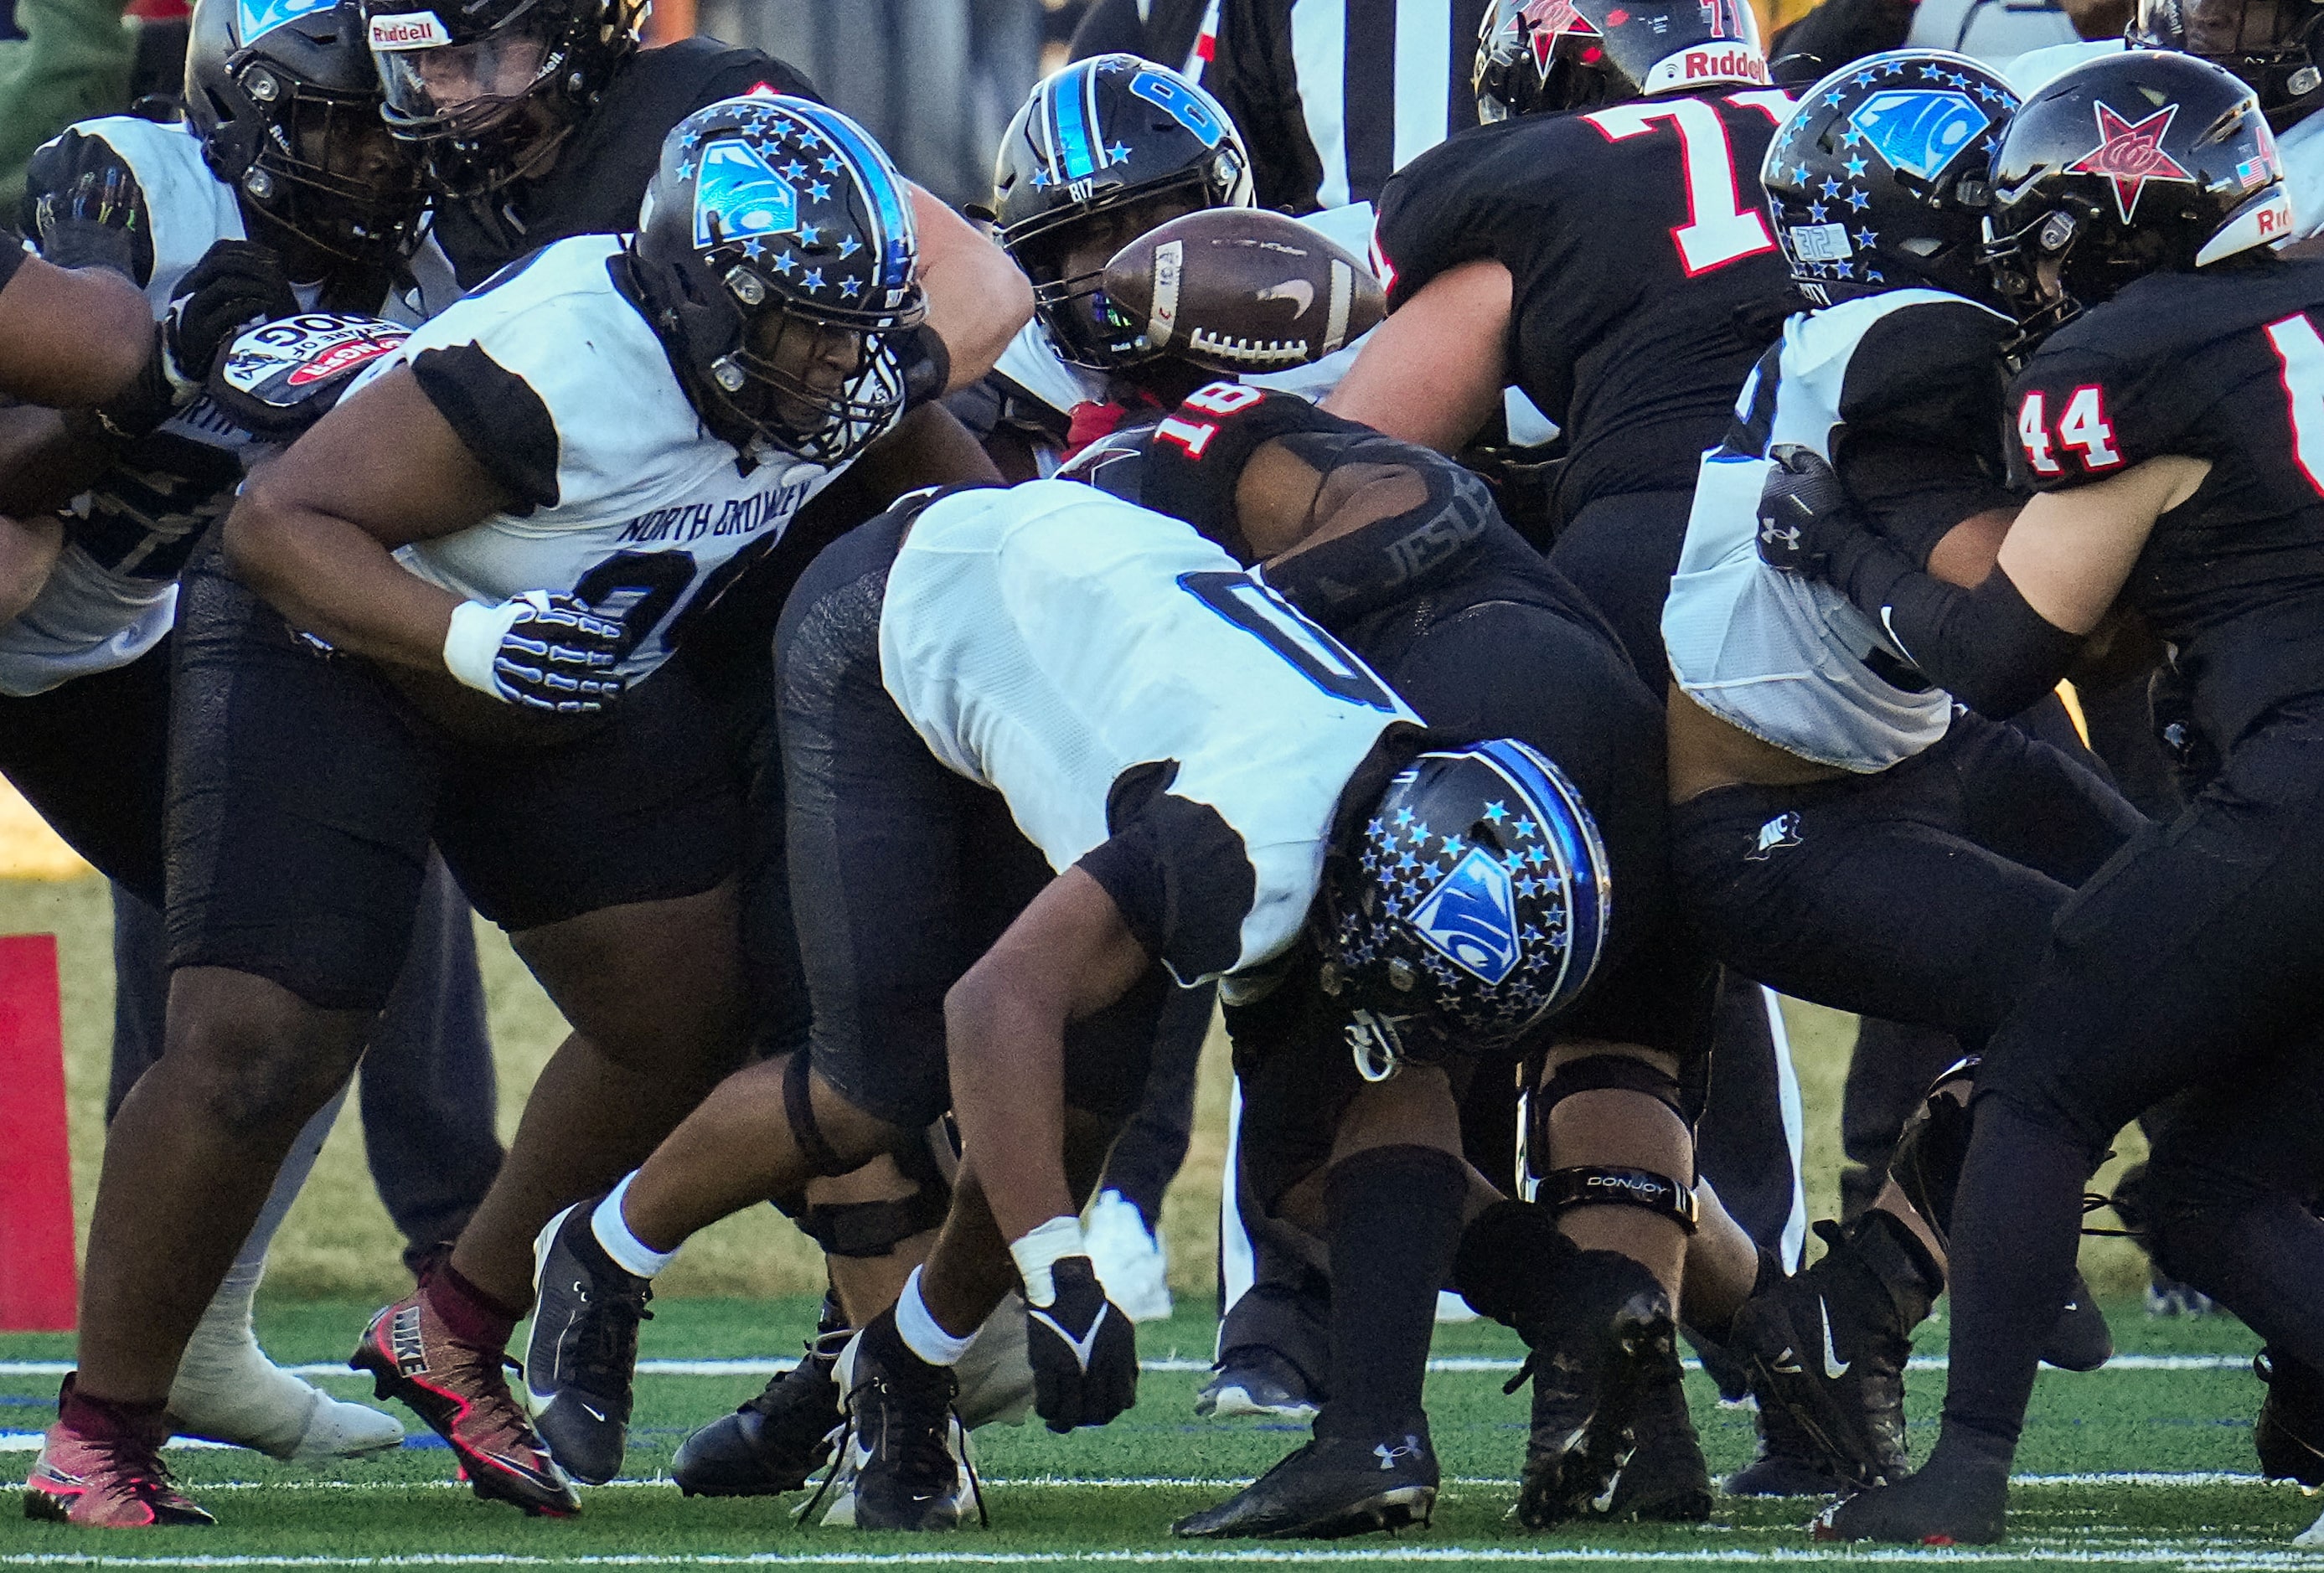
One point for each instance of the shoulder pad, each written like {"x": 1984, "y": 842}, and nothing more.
{"x": 278, "y": 379}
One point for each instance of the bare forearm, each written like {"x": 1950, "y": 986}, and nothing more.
{"x": 331, "y": 578}
{"x": 1008, "y": 1092}
{"x": 47, "y": 458}
{"x": 28, "y": 553}
{"x": 977, "y": 297}
{"x": 71, "y": 337}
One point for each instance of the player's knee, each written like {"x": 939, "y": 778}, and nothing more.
{"x": 1649, "y": 1108}
{"x": 261, "y": 1074}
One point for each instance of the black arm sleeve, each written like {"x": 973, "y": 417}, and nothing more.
{"x": 1985, "y": 646}
{"x": 498, "y": 418}
{"x": 1394, "y": 558}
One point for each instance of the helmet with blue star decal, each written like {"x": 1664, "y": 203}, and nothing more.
{"x": 1471, "y": 905}
{"x": 1103, "y": 151}
{"x": 1875, "y": 180}
{"x": 776, "y": 256}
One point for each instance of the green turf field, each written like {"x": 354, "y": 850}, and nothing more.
{"x": 2172, "y": 1418}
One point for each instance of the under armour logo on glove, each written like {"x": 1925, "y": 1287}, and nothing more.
{"x": 1082, "y": 1351}
{"x": 539, "y": 650}
{"x": 1804, "y": 511}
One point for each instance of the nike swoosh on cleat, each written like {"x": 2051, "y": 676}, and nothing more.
{"x": 1834, "y": 1367}
{"x": 593, "y": 1414}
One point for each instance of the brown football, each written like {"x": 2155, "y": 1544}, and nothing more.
{"x": 1243, "y": 289}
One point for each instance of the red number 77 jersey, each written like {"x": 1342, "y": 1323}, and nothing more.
{"x": 1633, "y": 236}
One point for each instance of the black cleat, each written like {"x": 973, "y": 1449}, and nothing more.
{"x": 777, "y": 1441}
{"x": 1607, "y": 1334}
{"x": 1789, "y": 1463}
{"x": 1333, "y": 1486}
{"x": 1939, "y": 1506}
{"x": 2290, "y": 1431}
{"x": 1829, "y": 1346}
{"x": 1665, "y": 1480}
{"x": 1256, "y": 1381}
{"x": 583, "y": 1354}
{"x": 904, "y": 1454}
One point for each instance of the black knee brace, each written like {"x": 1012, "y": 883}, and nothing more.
{"x": 858, "y": 1228}
{"x": 799, "y": 1110}
{"x": 1927, "y": 1163}
{"x": 1590, "y": 1185}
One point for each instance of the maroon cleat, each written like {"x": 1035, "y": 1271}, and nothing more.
{"x": 458, "y": 1390}
{"x": 112, "y": 1478}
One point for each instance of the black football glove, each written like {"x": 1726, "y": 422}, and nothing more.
{"x": 234, "y": 284}
{"x": 1082, "y": 1351}
{"x": 1803, "y": 512}
{"x": 89, "y": 213}
{"x": 540, "y": 651}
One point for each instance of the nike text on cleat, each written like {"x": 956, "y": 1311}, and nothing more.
{"x": 458, "y": 1390}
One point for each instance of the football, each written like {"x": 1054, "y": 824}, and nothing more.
{"x": 1238, "y": 290}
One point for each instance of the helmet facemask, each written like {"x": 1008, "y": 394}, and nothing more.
{"x": 1066, "y": 263}
{"x": 820, "y": 390}
{"x": 492, "y": 110}
{"x": 327, "y": 169}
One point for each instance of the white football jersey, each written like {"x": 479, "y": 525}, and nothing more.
{"x": 114, "y": 592}
{"x": 647, "y": 503}
{"x": 1048, "y": 640}
{"x": 1784, "y": 657}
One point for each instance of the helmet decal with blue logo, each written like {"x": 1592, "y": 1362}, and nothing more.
{"x": 774, "y": 216}
{"x": 1479, "y": 895}
{"x": 1092, "y": 139}
{"x": 1875, "y": 179}
{"x": 259, "y": 17}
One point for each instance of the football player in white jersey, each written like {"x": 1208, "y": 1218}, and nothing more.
{"x": 282, "y": 166}
{"x": 1841, "y": 830}
{"x": 479, "y": 560}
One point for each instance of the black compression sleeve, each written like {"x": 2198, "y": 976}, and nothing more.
{"x": 1391, "y": 558}
{"x": 1985, "y": 646}
{"x": 1196, "y": 456}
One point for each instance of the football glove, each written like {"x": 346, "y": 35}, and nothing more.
{"x": 234, "y": 283}
{"x": 1804, "y": 512}
{"x": 1082, "y": 1348}
{"x": 89, "y": 212}
{"x": 539, "y": 650}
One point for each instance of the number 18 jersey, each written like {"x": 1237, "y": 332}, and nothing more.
{"x": 1147, "y": 708}
{"x": 1634, "y": 234}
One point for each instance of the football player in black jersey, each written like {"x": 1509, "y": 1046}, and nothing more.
{"x": 2169, "y": 424}
{"x": 1629, "y": 130}
{"x": 1839, "y": 831}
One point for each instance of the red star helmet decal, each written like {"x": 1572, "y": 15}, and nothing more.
{"x": 1546, "y": 20}
{"x": 2131, "y": 155}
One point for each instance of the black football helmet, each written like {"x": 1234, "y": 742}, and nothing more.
{"x": 1537, "y": 57}
{"x": 492, "y": 87}
{"x": 282, "y": 95}
{"x": 1095, "y": 139}
{"x": 2276, "y": 46}
{"x": 776, "y": 239}
{"x": 1473, "y": 903}
{"x": 2141, "y": 162}
{"x": 1877, "y": 181}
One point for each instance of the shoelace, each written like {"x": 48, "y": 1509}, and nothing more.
{"x": 849, "y": 1426}
{"x": 139, "y": 1467}
{"x": 816, "y": 1369}
{"x": 605, "y": 1353}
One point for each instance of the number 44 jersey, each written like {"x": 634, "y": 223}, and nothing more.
{"x": 1147, "y": 708}
{"x": 2225, "y": 364}
{"x": 558, "y": 387}
{"x": 1633, "y": 235}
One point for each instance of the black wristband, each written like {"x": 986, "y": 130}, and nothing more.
{"x": 1196, "y": 458}
{"x": 928, "y": 366}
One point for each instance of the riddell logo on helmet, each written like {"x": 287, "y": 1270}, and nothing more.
{"x": 1715, "y": 62}
{"x": 414, "y": 29}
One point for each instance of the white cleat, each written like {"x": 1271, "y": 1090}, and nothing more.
{"x": 1451, "y": 1308}
{"x": 1130, "y": 1262}
{"x": 2313, "y": 1536}
{"x": 228, "y": 1391}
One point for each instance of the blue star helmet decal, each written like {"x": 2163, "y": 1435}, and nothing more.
{"x": 738, "y": 196}
{"x": 1920, "y": 131}
{"x": 259, "y": 17}
{"x": 1471, "y": 917}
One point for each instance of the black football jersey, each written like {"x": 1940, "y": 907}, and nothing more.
{"x": 598, "y": 181}
{"x": 2226, "y": 366}
{"x": 1646, "y": 280}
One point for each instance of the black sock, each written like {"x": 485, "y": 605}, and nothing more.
{"x": 2263, "y": 1258}
{"x": 1391, "y": 1216}
{"x": 2017, "y": 1219}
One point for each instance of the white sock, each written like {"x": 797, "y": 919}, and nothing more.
{"x": 922, "y": 1333}
{"x": 612, "y": 1231}
{"x": 222, "y": 1345}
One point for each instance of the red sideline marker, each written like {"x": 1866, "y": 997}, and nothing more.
{"x": 37, "y": 1292}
